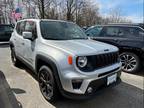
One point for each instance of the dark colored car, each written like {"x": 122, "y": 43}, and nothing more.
{"x": 85, "y": 27}
{"x": 5, "y": 32}
{"x": 128, "y": 38}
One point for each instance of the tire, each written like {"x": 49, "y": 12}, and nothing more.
{"x": 130, "y": 62}
{"x": 16, "y": 62}
{"x": 47, "y": 84}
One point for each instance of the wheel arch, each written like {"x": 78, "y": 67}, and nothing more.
{"x": 42, "y": 60}
{"x": 136, "y": 51}
{"x": 11, "y": 44}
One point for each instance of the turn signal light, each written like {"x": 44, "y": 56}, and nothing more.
{"x": 70, "y": 61}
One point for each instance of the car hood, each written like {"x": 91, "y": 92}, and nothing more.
{"x": 82, "y": 47}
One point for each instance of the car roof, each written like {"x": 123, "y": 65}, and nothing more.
{"x": 38, "y": 20}
{"x": 118, "y": 25}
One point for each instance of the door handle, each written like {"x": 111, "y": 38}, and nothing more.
{"x": 116, "y": 40}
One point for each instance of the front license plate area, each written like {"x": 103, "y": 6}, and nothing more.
{"x": 111, "y": 79}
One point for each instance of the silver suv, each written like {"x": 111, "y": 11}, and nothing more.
{"x": 64, "y": 59}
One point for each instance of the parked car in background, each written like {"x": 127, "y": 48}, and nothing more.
{"x": 85, "y": 27}
{"x": 129, "y": 38}
{"x": 64, "y": 59}
{"x": 5, "y": 32}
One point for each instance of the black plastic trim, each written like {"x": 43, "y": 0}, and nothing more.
{"x": 54, "y": 69}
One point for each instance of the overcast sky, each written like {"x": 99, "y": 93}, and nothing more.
{"x": 131, "y": 9}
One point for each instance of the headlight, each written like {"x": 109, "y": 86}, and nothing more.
{"x": 82, "y": 61}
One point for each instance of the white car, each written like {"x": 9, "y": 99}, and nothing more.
{"x": 64, "y": 59}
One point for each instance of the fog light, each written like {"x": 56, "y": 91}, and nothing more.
{"x": 76, "y": 83}
{"x": 90, "y": 89}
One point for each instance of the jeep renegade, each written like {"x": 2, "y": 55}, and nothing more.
{"x": 64, "y": 59}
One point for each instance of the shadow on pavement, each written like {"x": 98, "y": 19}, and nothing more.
{"x": 24, "y": 67}
{"x": 18, "y": 91}
{"x": 7, "y": 98}
{"x": 121, "y": 96}
{"x": 140, "y": 73}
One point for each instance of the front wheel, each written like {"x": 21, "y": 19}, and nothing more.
{"x": 47, "y": 83}
{"x": 130, "y": 62}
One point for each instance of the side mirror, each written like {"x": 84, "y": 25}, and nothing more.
{"x": 27, "y": 35}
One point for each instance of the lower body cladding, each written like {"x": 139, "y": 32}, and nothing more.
{"x": 84, "y": 86}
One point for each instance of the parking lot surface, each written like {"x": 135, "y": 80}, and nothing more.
{"x": 19, "y": 89}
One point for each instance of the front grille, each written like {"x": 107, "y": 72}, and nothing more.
{"x": 100, "y": 61}
{"x": 106, "y": 59}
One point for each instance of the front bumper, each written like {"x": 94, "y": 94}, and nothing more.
{"x": 85, "y": 81}
{"x": 98, "y": 85}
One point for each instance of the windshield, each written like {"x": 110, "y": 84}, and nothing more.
{"x": 55, "y": 30}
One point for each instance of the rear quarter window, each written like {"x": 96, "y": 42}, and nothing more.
{"x": 134, "y": 31}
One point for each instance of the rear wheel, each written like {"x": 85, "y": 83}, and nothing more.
{"x": 130, "y": 62}
{"x": 47, "y": 84}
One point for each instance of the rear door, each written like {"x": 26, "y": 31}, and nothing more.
{"x": 134, "y": 37}
{"x": 19, "y": 40}
{"x": 112, "y": 35}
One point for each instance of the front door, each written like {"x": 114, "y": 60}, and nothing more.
{"x": 30, "y": 44}
{"x": 19, "y": 40}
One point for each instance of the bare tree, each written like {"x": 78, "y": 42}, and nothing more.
{"x": 71, "y": 7}
{"x": 88, "y": 14}
{"x": 6, "y": 8}
{"x": 83, "y": 12}
{"x": 115, "y": 16}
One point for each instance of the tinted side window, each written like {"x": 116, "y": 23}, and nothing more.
{"x": 20, "y": 27}
{"x": 113, "y": 32}
{"x": 94, "y": 31}
{"x": 134, "y": 31}
{"x": 2, "y": 29}
{"x": 31, "y": 27}
{"x": 8, "y": 29}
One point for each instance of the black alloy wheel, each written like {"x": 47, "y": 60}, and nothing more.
{"x": 47, "y": 83}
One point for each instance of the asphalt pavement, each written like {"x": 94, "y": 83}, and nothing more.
{"x": 19, "y": 89}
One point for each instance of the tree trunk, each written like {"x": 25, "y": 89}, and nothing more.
{"x": 42, "y": 8}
